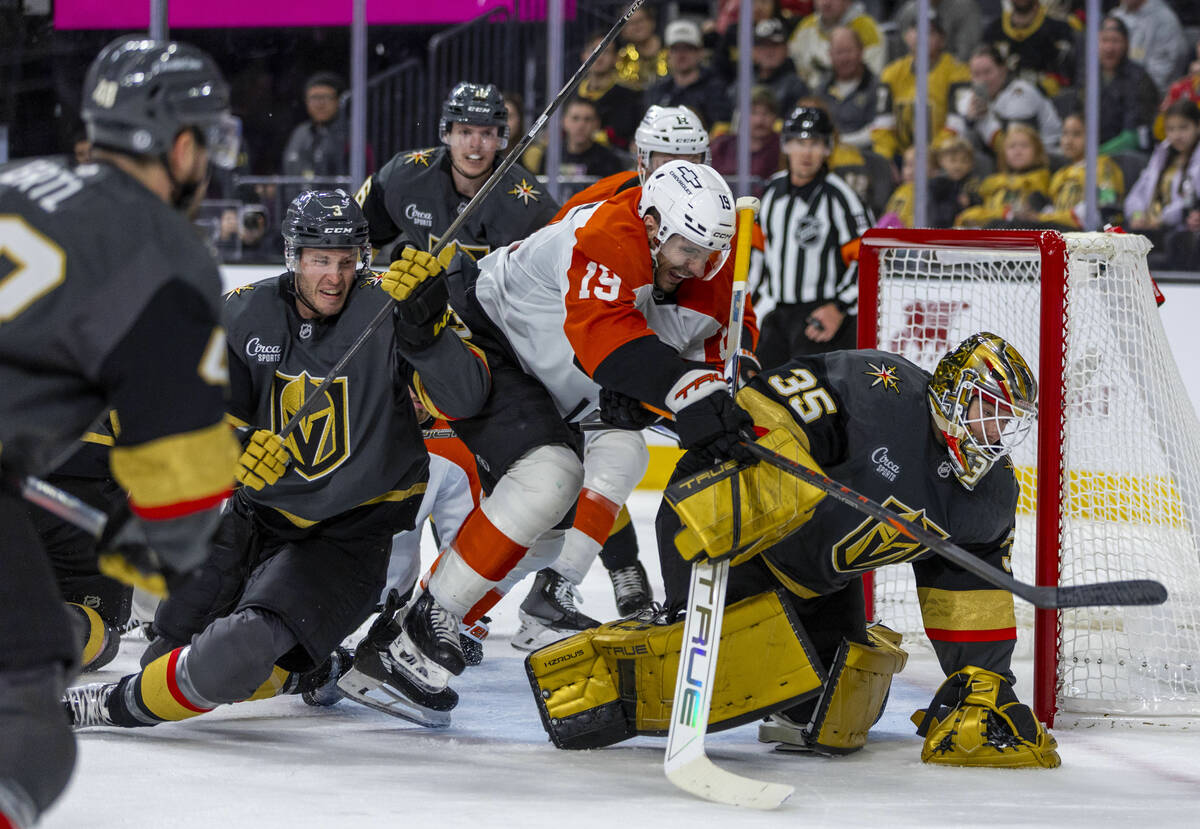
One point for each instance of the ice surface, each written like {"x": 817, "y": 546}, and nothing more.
{"x": 284, "y": 765}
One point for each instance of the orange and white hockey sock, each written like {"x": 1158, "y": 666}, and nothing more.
{"x": 531, "y": 497}
{"x": 594, "y": 518}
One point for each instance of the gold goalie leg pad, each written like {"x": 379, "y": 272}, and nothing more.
{"x": 607, "y": 684}
{"x": 975, "y": 719}
{"x": 852, "y": 701}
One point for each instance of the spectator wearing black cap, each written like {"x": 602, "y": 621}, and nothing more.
{"x": 319, "y": 147}
{"x": 960, "y": 18}
{"x": 690, "y": 83}
{"x": 772, "y": 66}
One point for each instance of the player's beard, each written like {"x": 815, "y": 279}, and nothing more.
{"x": 189, "y": 191}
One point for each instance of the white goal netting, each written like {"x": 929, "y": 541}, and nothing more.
{"x": 1130, "y": 453}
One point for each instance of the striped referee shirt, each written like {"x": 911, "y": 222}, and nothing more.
{"x": 805, "y": 229}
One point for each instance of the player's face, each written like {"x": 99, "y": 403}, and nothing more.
{"x": 805, "y": 157}
{"x": 679, "y": 259}
{"x": 658, "y": 159}
{"x": 422, "y": 413}
{"x": 324, "y": 278}
{"x": 995, "y": 424}
{"x": 473, "y": 148}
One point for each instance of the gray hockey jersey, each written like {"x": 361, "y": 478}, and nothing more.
{"x": 412, "y": 201}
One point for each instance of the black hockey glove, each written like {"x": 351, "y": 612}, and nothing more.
{"x": 714, "y": 425}
{"x": 623, "y": 412}
{"x": 422, "y": 297}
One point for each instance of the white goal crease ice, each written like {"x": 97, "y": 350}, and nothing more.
{"x": 1110, "y": 487}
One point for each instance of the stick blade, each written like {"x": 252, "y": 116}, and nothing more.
{"x": 1132, "y": 592}
{"x": 703, "y": 778}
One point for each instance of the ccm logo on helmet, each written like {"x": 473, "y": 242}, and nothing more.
{"x": 337, "y": 230}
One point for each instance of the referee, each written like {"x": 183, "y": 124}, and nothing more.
{"x": 803, "y": 286}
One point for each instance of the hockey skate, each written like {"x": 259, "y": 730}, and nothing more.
{"x": 470, "y": 638}
{"x": 789, "y": 735}
{"x": 318, "y": 687}
{"x": 631, "y": 589}
{"x": 435, "y": 630}
{"x": 549, "y": 613}
{"x": 87, "y": 705}
{"x": 392, "y": 675}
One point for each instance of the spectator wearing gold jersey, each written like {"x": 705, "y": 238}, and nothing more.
{"x": 1015, "y": 196}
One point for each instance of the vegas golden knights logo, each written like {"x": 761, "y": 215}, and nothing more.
{"x": 320, "y": 443}
{"x": 872, "y": 544}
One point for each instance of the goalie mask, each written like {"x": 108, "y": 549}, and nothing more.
{"x": 139, "y": 95}
{"x": 325, "y": 219}
{"x": 693, "y": 204}
{"x": 983, "y": 399}
{"x": 675, "y": 131}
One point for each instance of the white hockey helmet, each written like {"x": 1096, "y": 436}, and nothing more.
{"x": 694, "y": 202}
{"x": 671, "y": 130}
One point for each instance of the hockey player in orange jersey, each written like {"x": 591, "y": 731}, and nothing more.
{"x": 630, "y": 294}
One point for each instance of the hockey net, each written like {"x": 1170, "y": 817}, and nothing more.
{"x": 1110, "y": 487}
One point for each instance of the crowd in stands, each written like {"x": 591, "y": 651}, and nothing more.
{"x": 1005, "y": 104}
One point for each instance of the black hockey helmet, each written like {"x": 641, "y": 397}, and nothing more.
{"x": 140, "y": 93}
{"x": 475, "y": 103}
{"x": 325, "y": 219}
{"x": 808, "y": 122}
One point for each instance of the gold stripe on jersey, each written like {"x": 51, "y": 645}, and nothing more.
{"x": 177, "y": 470}
{"x": 393, "y": 495}
{"x": 236, "y": 422}
{"x": 966, "y": 609}
{"x": 96, "y": 437}
{"x": 787, "y": 581}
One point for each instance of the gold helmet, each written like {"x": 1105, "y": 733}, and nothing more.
{"x": 983, "y": 399}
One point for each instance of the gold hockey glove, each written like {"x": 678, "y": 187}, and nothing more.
{"x": 976, "y": 720}
{"x": 263, "y": 461}
{"x": 422, "y": 309}
{"x": 736, "y": 511}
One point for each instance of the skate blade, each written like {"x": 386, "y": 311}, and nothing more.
{"x": 358, "y": 687}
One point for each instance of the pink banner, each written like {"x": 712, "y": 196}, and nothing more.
{"x": 214, "y": 14}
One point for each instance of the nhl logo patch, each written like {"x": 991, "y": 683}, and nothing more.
{"x": 945, "y": 470}
{"x": 306, "y": 330}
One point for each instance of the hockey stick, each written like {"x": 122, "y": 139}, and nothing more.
{"x": 74, "y": 511}
{"x": 310, "y": 399}
{"x": 1130, "y": 592}
{"x": 685, "y": 763}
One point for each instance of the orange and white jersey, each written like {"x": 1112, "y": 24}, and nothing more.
{"x": 577, "y": 302}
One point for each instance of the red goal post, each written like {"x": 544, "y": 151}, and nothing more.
{"x": 1110, "y": 486}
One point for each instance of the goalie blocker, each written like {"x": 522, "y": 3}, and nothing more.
{"x": 616, "y": 681}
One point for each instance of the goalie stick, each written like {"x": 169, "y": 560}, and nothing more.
{"x": 685, "y": 762}
{"x": 76, "y": 512}
{"x": 1130, "y": 592}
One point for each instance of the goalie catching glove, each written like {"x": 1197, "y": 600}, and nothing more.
{"x": 422, "y": 309}
{"x": 976, "y": 720}
{"x": 263, "y": 461}
{"x": 739, "y": 512}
